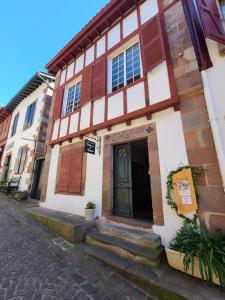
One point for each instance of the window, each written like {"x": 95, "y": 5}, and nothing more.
{"x": 73, "y": 98}
{"x": 15, "y": 122}
{"x": 29, "y": 115}
{"x": 20, "y": 160}
{"x": 126, "y": 67}
{"x": 222, "y": 5}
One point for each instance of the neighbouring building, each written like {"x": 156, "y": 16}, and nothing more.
{"x": 5, "y": 117}
{"x": 131, "y": 81}
{"x": 24, "y": 144}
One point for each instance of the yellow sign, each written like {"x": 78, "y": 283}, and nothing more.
{"x": 184, "y": 192}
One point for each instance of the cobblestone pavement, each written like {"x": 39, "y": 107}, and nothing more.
{"x": 37, "y": 264}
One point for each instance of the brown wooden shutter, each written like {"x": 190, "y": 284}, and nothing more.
{"x": 75, "y": 174}
{"x": 86, "y": 85}
{"x": 211, "y": 20}
{"x": 153, "y": 44}
{"x": 58, "y": 103}
{"x": 63, "y": 172}
{"x": 99, "y": 79}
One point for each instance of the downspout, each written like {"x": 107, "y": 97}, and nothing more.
{"x": 214, "y": 125}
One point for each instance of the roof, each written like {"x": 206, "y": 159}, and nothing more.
{"x": 107, "y": 16}
{"x": 37, "y": 79}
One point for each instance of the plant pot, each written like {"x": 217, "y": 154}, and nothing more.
{"x": 175, "y": 260}
{"x": 20, "y": 196}
{"x": 89, "y": 214}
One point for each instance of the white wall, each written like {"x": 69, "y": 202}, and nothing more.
{"x": 216, "y": 78}
{"x": 172, "y": 154}
{"x": 93, "y": 187}
{"x": 214, "y": 88}
{"x": 148, "y": 9}
{"x": 18, "y": 139}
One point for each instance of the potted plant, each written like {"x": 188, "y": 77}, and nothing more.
{"x": 199, "y": 252}
{"x": 90, "y": 211}
{"x": 195, "y": 249}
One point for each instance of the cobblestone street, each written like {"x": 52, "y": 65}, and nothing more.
{"x": 37, "y": 264}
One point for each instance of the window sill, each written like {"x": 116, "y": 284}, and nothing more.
{"x": 70, "y": 114}
{"x": 67, "y": 193}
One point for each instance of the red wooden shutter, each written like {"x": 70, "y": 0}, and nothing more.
{"x": 58, "y": 103}
{"x": 99, "y": 79}
{"x": 153, "y": 44}
{"x": 63, "y": 172}
{"x": 210, "y": 19}
{"x": 86, "y": 85}
{"x": 75, "y": 174}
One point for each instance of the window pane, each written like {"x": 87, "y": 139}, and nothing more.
{"x": 22, "y": 160}
{"x": 133, "y": 69}
{"x": 29, "y": 115}
{"x": 73, "y": 98}
{"x": 117, "y": 72}
{"x": 15, "y": 122}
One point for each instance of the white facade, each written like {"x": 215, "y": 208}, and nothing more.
{"x": 172, "y": 154}
{"x": 24, "y": 137}
{"x": 214, "y": 88}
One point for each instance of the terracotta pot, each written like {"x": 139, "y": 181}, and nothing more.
{"x": 89, "y": 214}
{"x": 175, "y": 260}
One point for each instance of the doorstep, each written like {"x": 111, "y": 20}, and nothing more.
{"x": 130, "y": 222}
{"x": 162, "y": 281}
{"x": 71, "y": 227}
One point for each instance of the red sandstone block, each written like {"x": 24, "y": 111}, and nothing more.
{"x": 202, "y": 156}
{"x": 213, "y": 175}
{"x": 192, "y": 140}
{"x": 217, "y": 221}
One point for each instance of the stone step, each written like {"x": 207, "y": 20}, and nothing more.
{"x": 138, "y": 253}
{"x": 162, "y": 282}
{"x": 71, "y": 227}
{"x": 137, "y": 236}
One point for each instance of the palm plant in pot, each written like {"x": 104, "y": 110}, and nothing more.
{"x": 90, "y": 211}
{"x": 199, "y": 252}
{"x": 195, "y": 249}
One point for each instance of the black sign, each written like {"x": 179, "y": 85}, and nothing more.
{"x": 89, "y": 147}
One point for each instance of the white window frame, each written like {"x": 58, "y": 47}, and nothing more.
{"x": 123, "y": 49}
{"x": 65, "y": 97}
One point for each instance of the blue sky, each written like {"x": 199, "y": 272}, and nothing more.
{"x": 32, "y": 32}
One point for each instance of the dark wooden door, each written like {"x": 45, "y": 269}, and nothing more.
{"x": 36, "y": 187}
{"x": 5, "y": 172}
{"x": 122, "y": 202}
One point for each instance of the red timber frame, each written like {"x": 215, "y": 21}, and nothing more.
{"x": 173, "y": 101}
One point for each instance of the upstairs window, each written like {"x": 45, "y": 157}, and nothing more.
{"x": 14, "y": 127}
{"x": 126, "y": 67}
{"x": 73, "y": 98}
{"x": 29, "y": 116}
{"x": 222, "y": 5}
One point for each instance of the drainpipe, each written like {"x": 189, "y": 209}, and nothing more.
{"x": 214, "y": 125}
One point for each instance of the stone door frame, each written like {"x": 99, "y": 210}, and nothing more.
{"x": 142, "y": 132}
